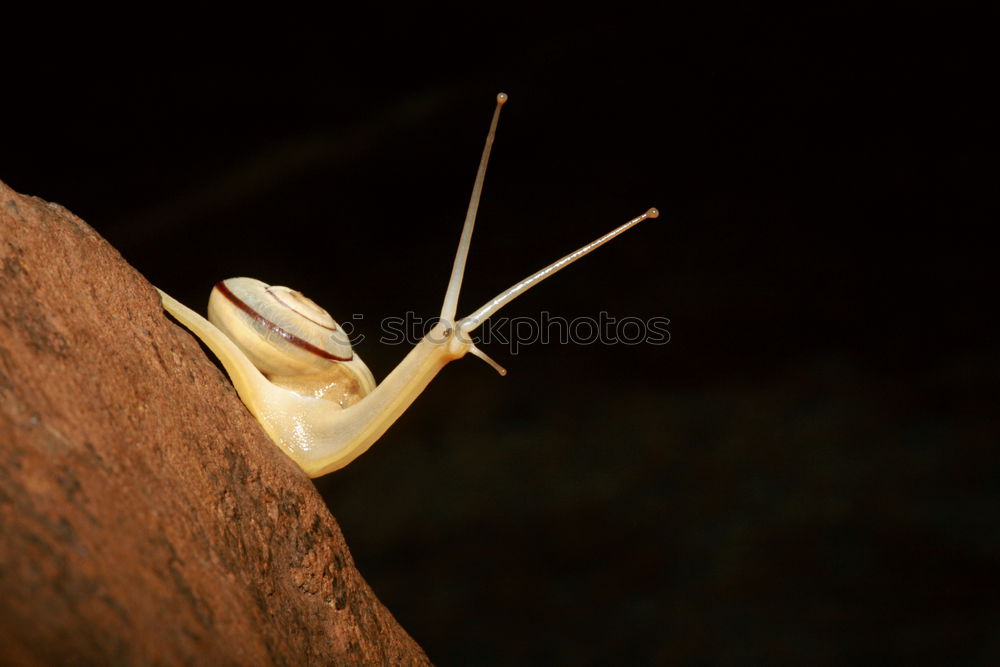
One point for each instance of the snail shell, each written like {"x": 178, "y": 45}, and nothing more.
{"x": 295, "y": 343}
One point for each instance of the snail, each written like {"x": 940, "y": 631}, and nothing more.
{"x": 294, "y": 368}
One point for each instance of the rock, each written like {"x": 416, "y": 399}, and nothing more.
{"x": 146, "y": 518}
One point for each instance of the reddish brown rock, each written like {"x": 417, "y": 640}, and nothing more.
{"x": 145, "y": 516}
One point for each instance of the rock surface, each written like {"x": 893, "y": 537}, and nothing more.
{"x": 145, "y": 516}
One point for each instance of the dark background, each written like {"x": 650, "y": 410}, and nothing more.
{"x": 805, "y": 474}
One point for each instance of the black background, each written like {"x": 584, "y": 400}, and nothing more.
{"x": 805, "y": 474}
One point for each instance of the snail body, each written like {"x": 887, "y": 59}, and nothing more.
{"x": 294, "y": 368}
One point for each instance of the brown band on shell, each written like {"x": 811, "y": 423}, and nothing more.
{"x": 290, "y": 337}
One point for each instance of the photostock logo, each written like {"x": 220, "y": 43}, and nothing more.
{"x": 517, "y": 332}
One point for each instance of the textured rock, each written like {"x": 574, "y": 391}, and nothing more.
{"x": 145, "y": 516}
